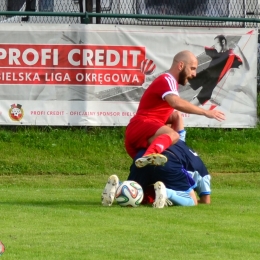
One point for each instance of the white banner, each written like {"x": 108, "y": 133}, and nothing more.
{"x": 94, "y": 75}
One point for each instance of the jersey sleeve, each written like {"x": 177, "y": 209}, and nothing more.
{"x": 169, "y": 85}
{"x": 203, "y": 183}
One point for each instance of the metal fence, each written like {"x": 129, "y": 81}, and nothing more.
{"x": 204, "y": 8}
{"x": 64, "y": 6}
{"x": 144, "y": 10}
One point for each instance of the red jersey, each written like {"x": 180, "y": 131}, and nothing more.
{"x": 152, "y": 113}
{"x": 152, "y": 104}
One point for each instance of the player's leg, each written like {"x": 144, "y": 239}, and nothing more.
{"x": 161, "y": 140}
{"x": 152, "y": 135}
{"x": 177, "y": 124}
{"x": 108, "y": 194}
{"x": 160, "y": 195}
{"x": 167, "y": 197}
{"x": 178, "y": 185}
{"x": 137, "y": 134}
{"x": 203, "y": 183}
{"x": 182, "y": 198}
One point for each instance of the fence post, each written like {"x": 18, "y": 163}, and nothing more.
{"x": 98, "y": 10}
{"x": 89, "y": 9}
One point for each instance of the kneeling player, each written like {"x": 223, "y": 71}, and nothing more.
{"x": 175, "y": 183}
{"x": 180, "y": 180}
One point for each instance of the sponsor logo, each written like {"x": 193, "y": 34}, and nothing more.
{"x": 160, "y": 146}
{"x": 148, "y": 67}
{"x": 71, "y": 64}
{"x": 16, "y": 112}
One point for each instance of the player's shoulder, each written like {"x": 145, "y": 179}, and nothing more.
{"x": 167, "y": 78}
{"x": 165, "y": 75}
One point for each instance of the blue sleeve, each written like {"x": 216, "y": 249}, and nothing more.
{"x": 203, "y": 183}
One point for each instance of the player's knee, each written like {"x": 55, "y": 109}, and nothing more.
{"x": 174, "y": 137}
{"x": 175, "y": 117}
{"x": 178, "y": 115}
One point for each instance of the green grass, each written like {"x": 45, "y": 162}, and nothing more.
{"x": 60, "y": 217}
{"x": 227, "y": 150}
{"x": 51, "y": 180}
{"x": 99, "y": 150}
{"x": 57, "y": 150}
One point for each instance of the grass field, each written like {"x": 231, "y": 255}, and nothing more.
{"x": 60, "y": 217}
{"x": 51, "y": 181}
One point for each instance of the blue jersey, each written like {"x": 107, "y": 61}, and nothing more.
{"x": 188, "y": 158}
{"x": 177, "y": 173}
{"x": 172, "y": 174}
{"x": 194, "y": 165}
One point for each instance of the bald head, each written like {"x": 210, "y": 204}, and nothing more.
{"x": 184, "y": 66}
{"x": 185, "y": 57}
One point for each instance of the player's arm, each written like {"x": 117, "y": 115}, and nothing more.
{"x": 186, "y": 107}
{"x": 194, "y": 197}
{"x": 204, "y": 199}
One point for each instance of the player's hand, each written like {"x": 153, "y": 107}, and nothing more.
{"x": 218, "y": 115}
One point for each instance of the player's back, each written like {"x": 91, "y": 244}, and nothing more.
{"x": 189, "y": 158}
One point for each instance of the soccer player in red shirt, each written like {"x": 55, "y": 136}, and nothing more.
{"x": 149, "y": 127}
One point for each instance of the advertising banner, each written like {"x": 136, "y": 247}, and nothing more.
{"x": 95, "y": 75}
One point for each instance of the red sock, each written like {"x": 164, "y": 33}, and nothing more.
{"x": 159, "y": 144}
{"x": 149, "y": 195}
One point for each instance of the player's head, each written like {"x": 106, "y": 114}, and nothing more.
{"x": 220, "y": 43}
{"x": 184, "y": 66}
